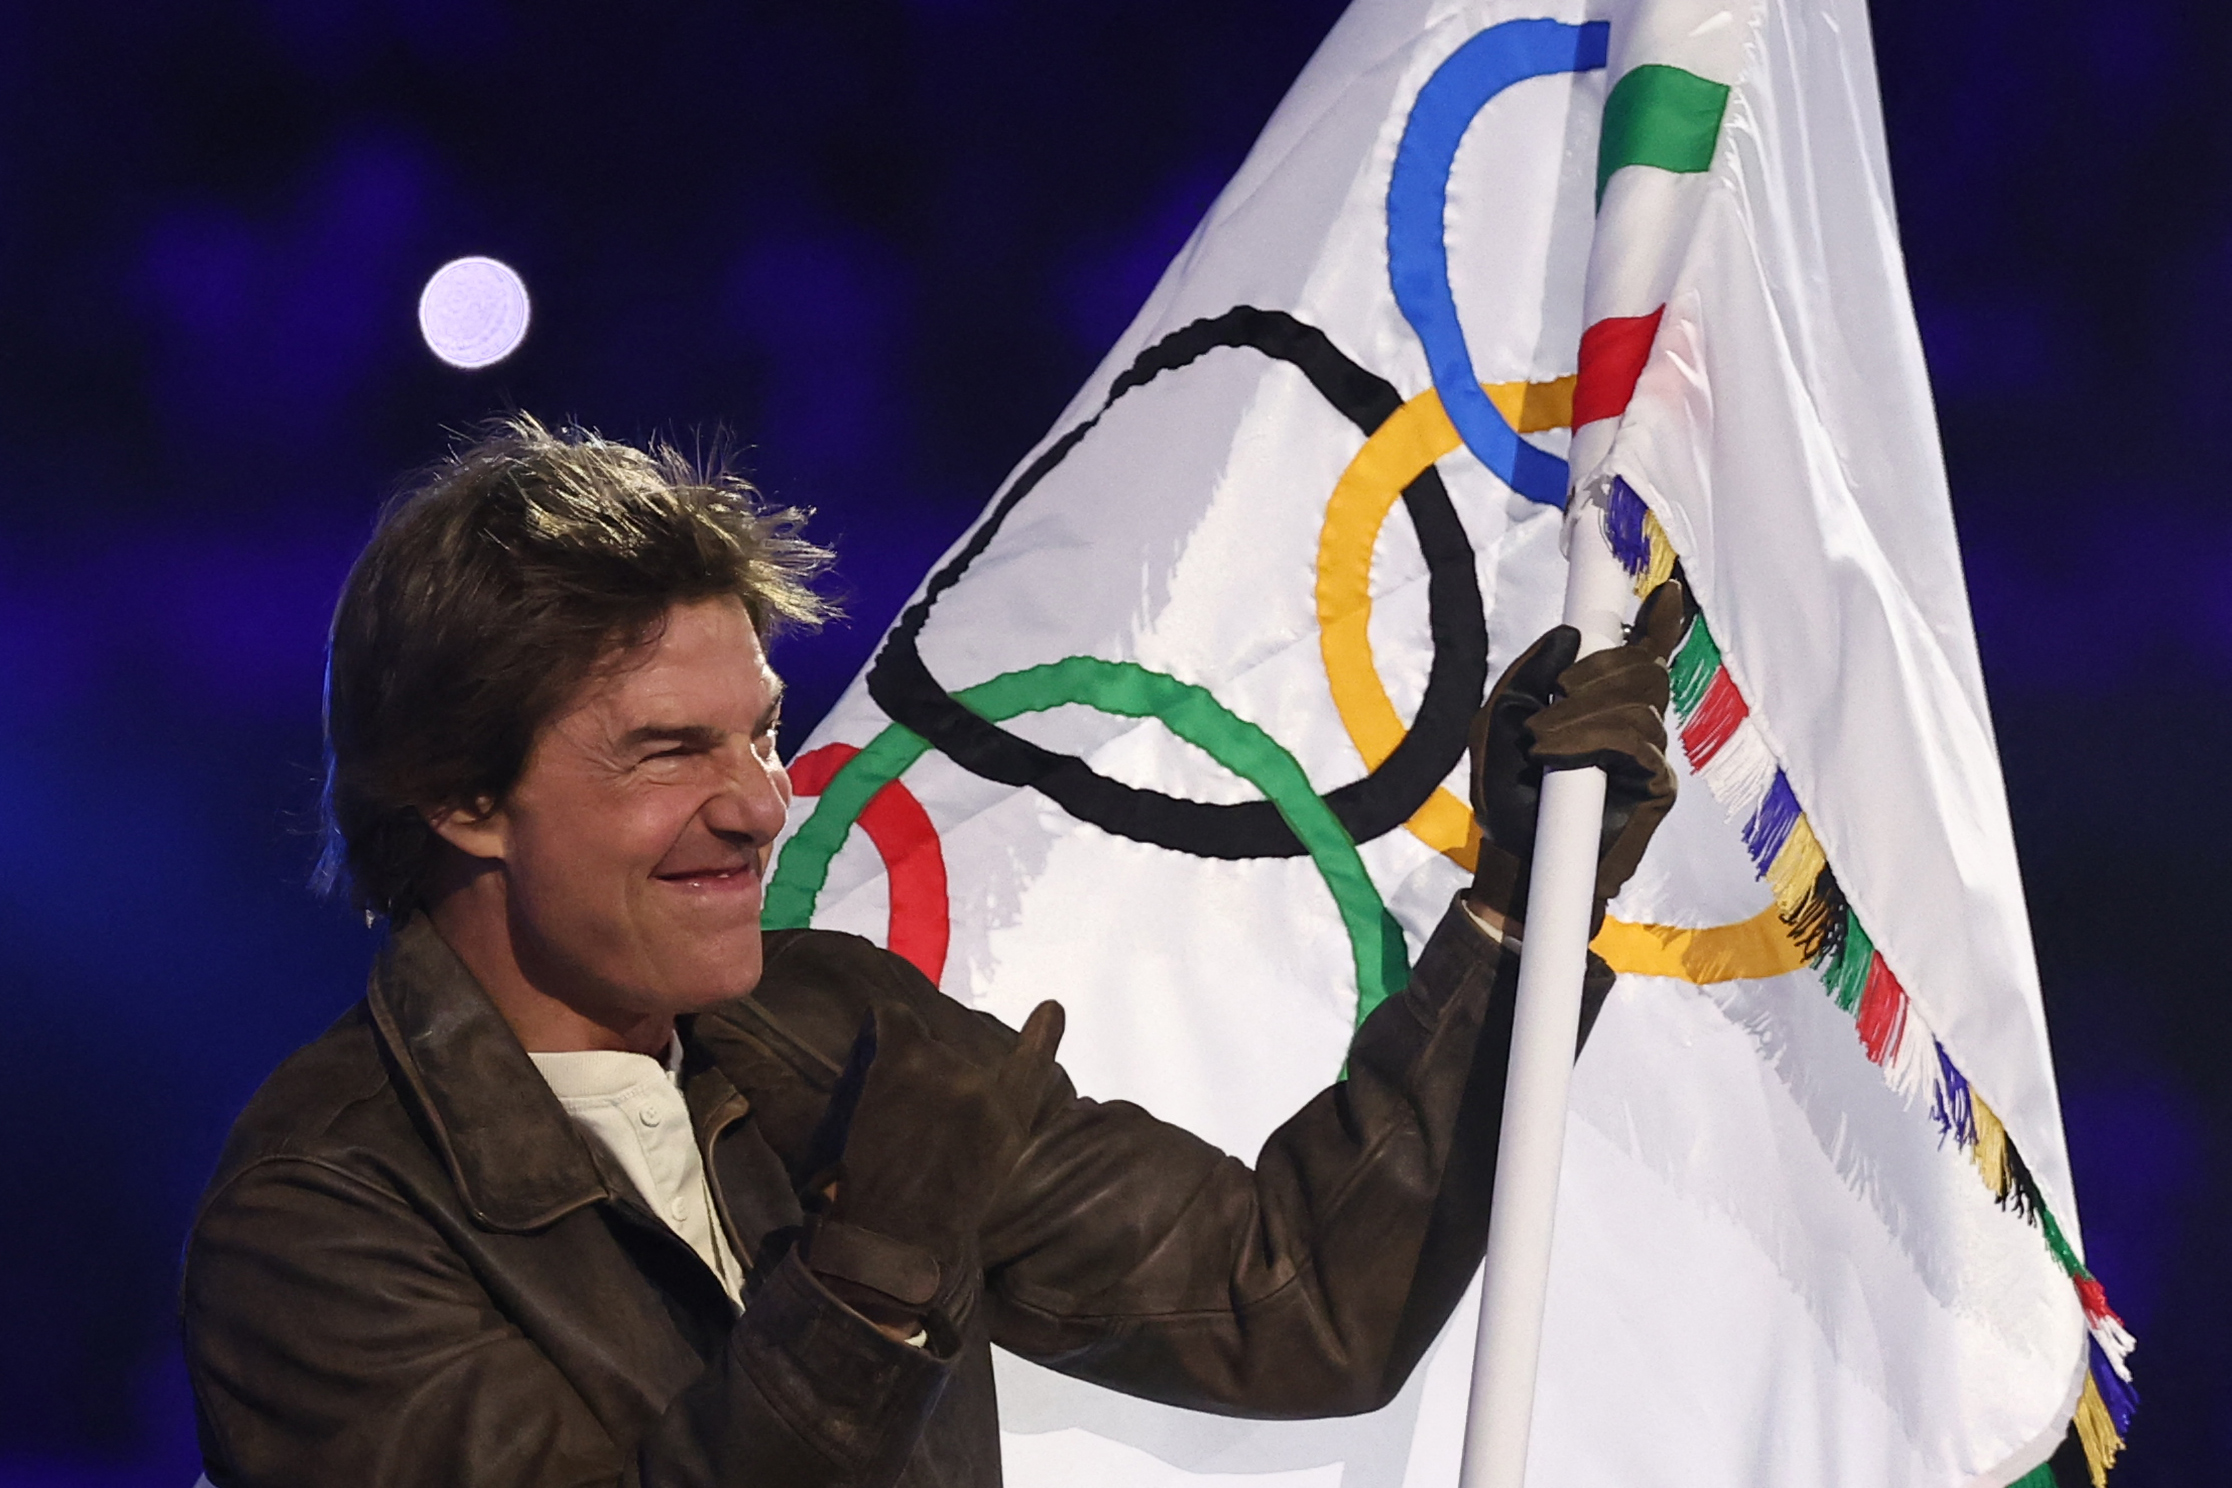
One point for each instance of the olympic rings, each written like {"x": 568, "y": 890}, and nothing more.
{"x": 1405, "y": 765}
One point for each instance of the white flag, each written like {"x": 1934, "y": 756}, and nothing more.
{"x": 1175, "y": 734}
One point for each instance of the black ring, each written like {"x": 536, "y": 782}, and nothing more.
{"x": 901, "y": 683}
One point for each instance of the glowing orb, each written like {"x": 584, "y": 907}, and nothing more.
{"x": 473, "y": 312}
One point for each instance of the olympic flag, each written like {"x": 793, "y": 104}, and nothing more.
{"x": 1175, "y": 733}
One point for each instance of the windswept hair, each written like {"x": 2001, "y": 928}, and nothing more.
{"x": 491, "y": 589}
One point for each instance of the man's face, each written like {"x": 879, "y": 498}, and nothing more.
{"x": 635, "y": 840}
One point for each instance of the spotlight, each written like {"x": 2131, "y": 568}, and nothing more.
{"x": 473, "y": 312}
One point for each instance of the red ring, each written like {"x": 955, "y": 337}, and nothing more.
{"x": 907, "y": 841}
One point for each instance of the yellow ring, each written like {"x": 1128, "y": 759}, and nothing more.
{"x": 1397, "y": 453}
{"x": 1752, "y": 949}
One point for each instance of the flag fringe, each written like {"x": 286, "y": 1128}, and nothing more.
{"x": 1883, "y": 1015}
{"x": 1730, "y": 753}
{"x": 1949, "y": 1103}
{"x": 1990, "y": 1152}
{"x": 1796, "y": 870}
{"x": 2102, "y": 1441}
{"x": 1817, "y": 922}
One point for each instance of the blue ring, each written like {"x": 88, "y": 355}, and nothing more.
{"x": 1418, "y": 252}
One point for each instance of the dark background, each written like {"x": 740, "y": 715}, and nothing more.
{"x": 884, "y": 243}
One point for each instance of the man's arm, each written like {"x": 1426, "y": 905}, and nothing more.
{"x": 334, "y": 1338}
{"x": 1128, "y": 1252}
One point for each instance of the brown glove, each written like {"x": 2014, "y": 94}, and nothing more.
{"x": 918, "y": 1140}
{"x": 1610, "y": 711}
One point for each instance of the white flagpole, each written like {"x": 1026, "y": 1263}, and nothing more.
{"x": 1547, "y": 1020}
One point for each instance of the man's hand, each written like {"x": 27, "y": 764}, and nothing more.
{"x": 921, "y": 1138}
{"x": 1549, "y": 712}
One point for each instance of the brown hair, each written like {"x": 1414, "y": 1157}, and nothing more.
{"x": 489, "y": 592}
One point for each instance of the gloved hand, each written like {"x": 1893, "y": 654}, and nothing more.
{"x": 916, "y": 1142}
{"x": 1610, "y": 711}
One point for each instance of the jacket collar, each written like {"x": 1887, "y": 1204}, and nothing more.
{"x": 515, "y": 1156}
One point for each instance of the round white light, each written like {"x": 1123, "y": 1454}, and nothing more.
{"x": 473, "y": 312}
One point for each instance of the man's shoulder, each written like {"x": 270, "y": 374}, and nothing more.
{"x": 328, "y": 1098}
{"x": 816, "y": 987}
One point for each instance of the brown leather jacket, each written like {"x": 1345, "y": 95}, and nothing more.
{"x": 410, "y": 1269}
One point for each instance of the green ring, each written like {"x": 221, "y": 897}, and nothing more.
{"x": 1127, "y": 690}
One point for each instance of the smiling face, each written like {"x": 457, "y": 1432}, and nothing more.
{"x": 631, "y": 849}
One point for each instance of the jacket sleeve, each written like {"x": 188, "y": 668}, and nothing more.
{"x": 1130, "y": 1253}
{"x": 411, "y": 1376}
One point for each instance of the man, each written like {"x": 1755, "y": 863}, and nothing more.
{"x": 596, "y": 1187}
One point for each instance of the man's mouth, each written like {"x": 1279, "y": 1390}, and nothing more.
{"x": 715, "y": 878}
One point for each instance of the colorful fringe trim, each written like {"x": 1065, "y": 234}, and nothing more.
{"x": 1730, "y": 754}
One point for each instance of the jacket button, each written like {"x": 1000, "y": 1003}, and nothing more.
{"x": 649, "y": 1116}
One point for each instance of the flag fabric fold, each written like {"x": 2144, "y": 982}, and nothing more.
{"x": 1175, "y": 734}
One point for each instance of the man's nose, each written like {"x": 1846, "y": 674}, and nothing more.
{"x": 755, "y": 798}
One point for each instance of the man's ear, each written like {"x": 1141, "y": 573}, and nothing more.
{"x": 478, "y": 829}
